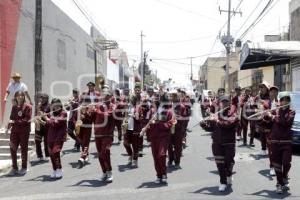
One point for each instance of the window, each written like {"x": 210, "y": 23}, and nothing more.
{"x": 61, "y": 54}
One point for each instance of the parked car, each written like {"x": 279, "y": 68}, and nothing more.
{"x": 295, "y": 97}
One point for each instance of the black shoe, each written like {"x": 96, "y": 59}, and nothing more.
{"x": 170, "y": 163}
{"x": 177, "y": 166}
{"x": 252, "y": 145}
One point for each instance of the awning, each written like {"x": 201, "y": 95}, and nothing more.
{"x": 255, "y": 55}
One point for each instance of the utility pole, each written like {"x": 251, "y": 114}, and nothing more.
{"x": 38, "y": 49}
{"x": 227, "y": 41}
{"x": 142, "y": 60}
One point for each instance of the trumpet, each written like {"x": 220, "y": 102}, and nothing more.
{"x": 151, "y": 121}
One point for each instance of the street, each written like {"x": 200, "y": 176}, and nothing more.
{"x": 197, "y": 179}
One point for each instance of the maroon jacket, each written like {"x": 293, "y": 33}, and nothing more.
{"x": 88, "y": 97}
{"x": 104, "y": 122}
{"x": 223, "y": 128}
{"x": 282, "y": 122}
{"x": 263, "y": 125}
{"x": 57, "y": 127}
{"x": 179, "y": 110}
{"x": 162, "y": 126}
{"x": 120, "y": 110}
{"x": 21, "y": 117}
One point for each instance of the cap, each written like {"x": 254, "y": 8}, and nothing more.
{"x": 75, "y": 90}
{"x": 16, "y": 75}
{"x": 284, "y": 94}
{"x": 237, "y": 88}
{"x": 91, "y": 84}
{"x": 274, "y": 88}
{"x": 221, "y": 90}
{"x": 266, "y": 84}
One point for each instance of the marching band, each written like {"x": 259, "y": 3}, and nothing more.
{"x": 162, "y": 117}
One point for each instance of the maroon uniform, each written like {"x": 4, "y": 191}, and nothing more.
{"x": 42, "y": 133}
{"x": 90, "y": 97}
{"x": 175, "y": 146}
{"x": 57, "y": 130}
{"x": 223, "y": 145}
{"x": 73, "y": 105}
{"x": 281, "y": 143}
{"x": 85, "y": 132}
{"x": 160, "y": 133}
{"x": 119, "y": 115}
{"x": 20, "y": 133}
{"x": 104, "y": 133}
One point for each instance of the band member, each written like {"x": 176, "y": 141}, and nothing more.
{"x": 175, "y": 146}
{"x": 41, "y": 130}
{"x": 20, "y": 130}
{"x": 263, "y": 102}
{"x": 248, "y": 110}
{"x": 274, "y": 103}
{"x": 119, "y": 113}
{"x": 186, "y": 115}
{"x": 72, "y": 106}
{"x": 57, "y": 133}
{"x": 104, "y": 132}
{"x": 160, "y": 131}
{"x": 92, "y": 95}
{"x": 223, "y": 144}
{"x": 281, "y": 140}
{"x": 236, "y": 107}
{"x": 144, "y": 112}
{"x": 244, "y": 122}
{"x": 131, "y": 136}
{"x": 206, "y": 104}
{"x": 85, "y": 131}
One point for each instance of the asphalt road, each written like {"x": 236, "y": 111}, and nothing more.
{"x": 197, "y": 179}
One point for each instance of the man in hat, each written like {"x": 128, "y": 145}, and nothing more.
{"x": 281, "y": 140}
{"x": 91, "y": 96}
{"x": 223, "y": 136}
{"x": 16, "y": 86}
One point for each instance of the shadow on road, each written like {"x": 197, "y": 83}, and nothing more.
{"x": 68, "y": 151}
{"x": 271, "y": 194}
{"x": 37, "y": 162}
{"x": 123, "y": 168}
{"x": 266, "y": 173}
{"x": 151, "y": 185}
{"x": 43, "y": 178}
{"x": 91, "y": 183}
{"x": 76, "y": 164}
{"x": 214, "y": 191}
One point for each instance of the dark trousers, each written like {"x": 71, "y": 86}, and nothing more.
{"x": 19, "y": 138}
{"x": 224, "y": 158}
{"x": 175, "y": 147}
{"x": 159, "y": 149}
{"x": 119, "y": 128}
{"x": 39, "y": 137}
{"x": 54, "y": 150}
{"x": 131, "y": 144}
{"x": 281, "y": 158}
{"x": 103, "y": 145}
{"x": 252, "y": 131}
{"x": 71, "y": 128}
{"x": 84, "y": 138}
{"x": 263, "y": 140}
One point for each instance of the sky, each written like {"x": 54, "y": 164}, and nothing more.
{"x": 176, "y": 29}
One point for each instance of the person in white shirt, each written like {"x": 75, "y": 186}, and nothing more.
{"x": 16, "y": 86}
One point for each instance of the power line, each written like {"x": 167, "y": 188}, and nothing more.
{"x": 258, "y": 19}
{"x": 252, "y": 12}
{"x": 185, "y": 58}
{"x": 187, "y": 11}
